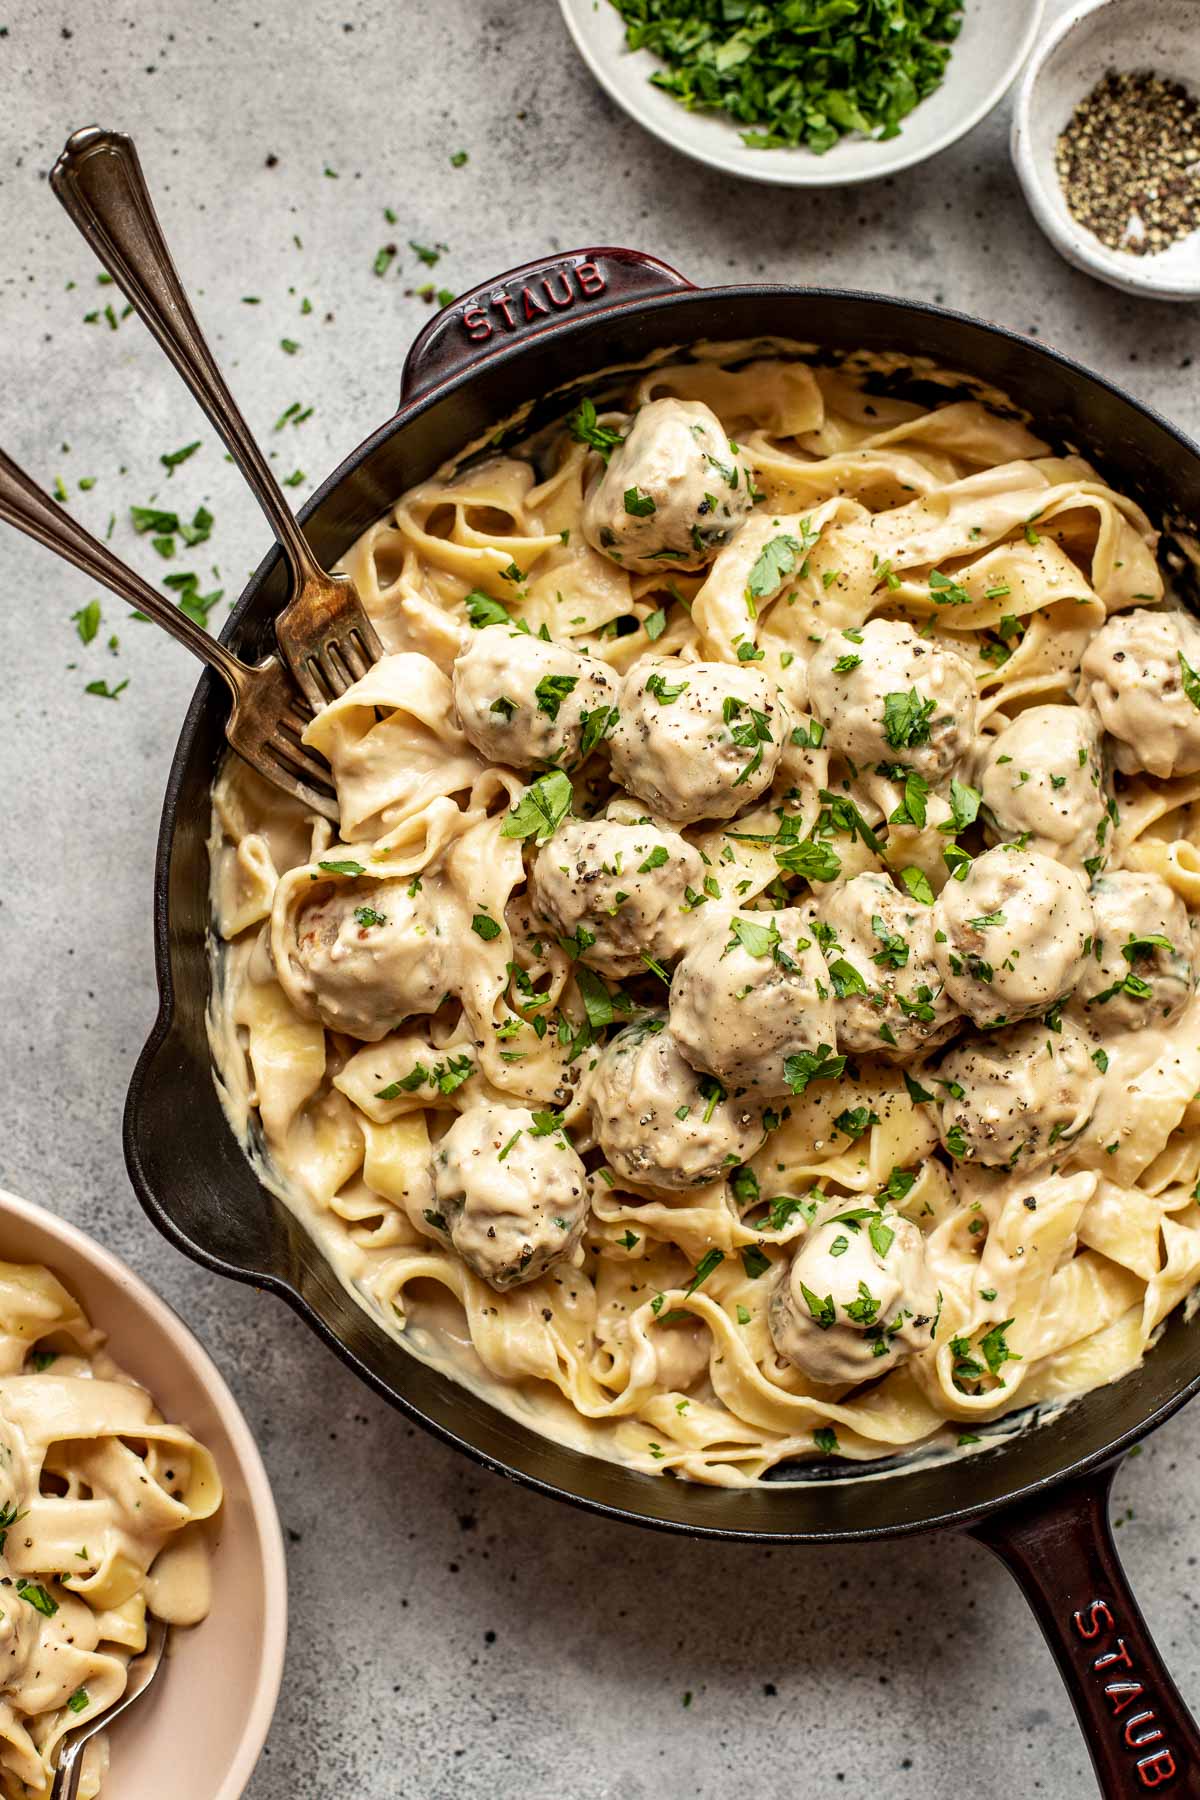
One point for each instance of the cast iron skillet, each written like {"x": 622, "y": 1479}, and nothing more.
{"x": 1039, "y": 1499}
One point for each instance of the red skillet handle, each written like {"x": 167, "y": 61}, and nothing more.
{"x": 1141, "y": 1736}
{"x": 531, "y": 299}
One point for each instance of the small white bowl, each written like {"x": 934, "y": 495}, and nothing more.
{"x": 198, "y": 1733}
{"x": 996, "y": 37}
{"x": 1162, "y": 36}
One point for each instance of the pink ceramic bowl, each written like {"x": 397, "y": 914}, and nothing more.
{"x": 198, "y": 1733}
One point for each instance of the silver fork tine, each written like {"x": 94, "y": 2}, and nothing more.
{"x": 99, "y": 181}
{"x": 263, "y": 696}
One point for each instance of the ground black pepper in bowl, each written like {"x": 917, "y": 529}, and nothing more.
{"x": 1129, "y": 162}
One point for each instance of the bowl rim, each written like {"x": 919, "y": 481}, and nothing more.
{"x": 165, "y": 1022}
{"x": 263, "y": 1510}
{"x": 793, "y": 174}
{"x": 1128, "y": 274}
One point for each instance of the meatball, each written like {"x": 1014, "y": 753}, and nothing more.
{"x": 878, "y": 944}
{"x": 522, "y": 701}
{"x": 673, "y": 492}
{"x": 1042, "y": 780}
{"x": 658, "y": 1122}
{"x": 1132, "y": 672}
{"x": 509, "y": 1192}
{"x": 884, "y": 694}
{"x": 363, "y": 956}
{"x": 856, "y": 1298}
{"x": 1140, "y": 970}
{"x": 1018, "y": 1098}
{"x": 624, "y": 887}
{"x": 751, "y": 991}
{"x": 698, "y": 740}
{"x": 1011, "y": 938}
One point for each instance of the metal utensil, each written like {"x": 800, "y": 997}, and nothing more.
{"x": 140, "y": 1673}
{"x": 323, "y": 632}
{"x": 268, "y": 715}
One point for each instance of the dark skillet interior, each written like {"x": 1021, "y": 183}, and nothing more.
{"x": 191, "y": 1175}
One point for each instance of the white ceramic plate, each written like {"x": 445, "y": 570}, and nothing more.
{"x": 1161, "y": 35}
{"x": 996, "y": 37}
{"x": 199, "y": 1731}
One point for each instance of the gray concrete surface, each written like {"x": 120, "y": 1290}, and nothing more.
{"x": 451, "y": 1635}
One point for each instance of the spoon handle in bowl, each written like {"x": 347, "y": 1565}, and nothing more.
{"x": 98, "y": 178}
{"x": 24, "y": 505}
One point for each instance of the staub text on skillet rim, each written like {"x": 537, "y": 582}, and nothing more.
{"x": 1038, "y": 1499}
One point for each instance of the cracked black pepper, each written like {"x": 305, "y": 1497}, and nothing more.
{"x": 1129, "y": 162}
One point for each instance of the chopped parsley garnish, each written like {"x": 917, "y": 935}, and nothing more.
{"x": 845, "y": 978}
{"x": 639, "y": 505}
{"x": 35, "y": 1594}
{"x": 655, "y": 860}
{"x": 597, "y": 725}
{"x": 775, "y": 560}
{"x": 855, "y": 1121}
{"x": 797, "y": 74}
{"x": 1191, "y": 681}
{"x": 807, "y": 1066}
{"x": 172, "y": 458}
{"x": 712, "y": 1259}
{"x": 964, "y": 803}
{"x": 826, "y": 1440}
{"x": 541, "y": 809}
{"x": 584, "y": 429}
{"x": 995, "y": 1350}
{"x": 906, "y": 719}
{"x": 87, "y": 621}
{"x": 658, "y": 685}
{"x": 484, "y": 927}
{"x": 366, "y": 916}
{"x": 483, "y": 610}
{"x": 917, "y": 883}
{"x": 823, "y": 1312}
{"x": 342, "y": 868}
{"x": 552, "y": 690}
{"x": 79, "y": 1701}
{"x": 944, "y": 591}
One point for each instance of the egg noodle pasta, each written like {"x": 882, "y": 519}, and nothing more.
{"x": 101, "y": 1510}
{"x": 749, "y": 1010}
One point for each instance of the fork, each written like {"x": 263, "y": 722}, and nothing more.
{"x": 323, "y": 632}
{"x": 138, "y": 1675}
{"x": 268, "y": 717}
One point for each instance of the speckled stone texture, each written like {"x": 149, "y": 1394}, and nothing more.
{"x": 454, "y": 1638}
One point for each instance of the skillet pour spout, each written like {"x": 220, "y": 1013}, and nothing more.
{"x": 528, "y": 345}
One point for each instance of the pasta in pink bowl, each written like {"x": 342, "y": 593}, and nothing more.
{"x": 109, "y": 1511}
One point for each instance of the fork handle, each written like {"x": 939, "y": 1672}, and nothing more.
{"x": 25, "y": 505}
{"x": 98, "y": 178}
{"x": 68, "y": 1774}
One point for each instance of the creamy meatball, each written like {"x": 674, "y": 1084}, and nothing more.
{"x": 1042, "y": 780}
{"x": 365, "y": 956}
{"x": 890, "y": 998}
{"x": 660, "y": 1123}
{"x": 623, "y": 886}
{"x": 1140, "y": 968}
{"x": 1132, "y": 673}
{"x": 673, "y": 492}
{"x": 885, "y": 694}
{"x": 509, "y": 1191}
{"x": 856, "y": 1299}
{"x": 1020, "y": 1097}
{"x": 751, "y": 991}
{"x": 522, "y": 701}
{"x": 698, "y": 740}
{"x": 1011, "y": 938}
